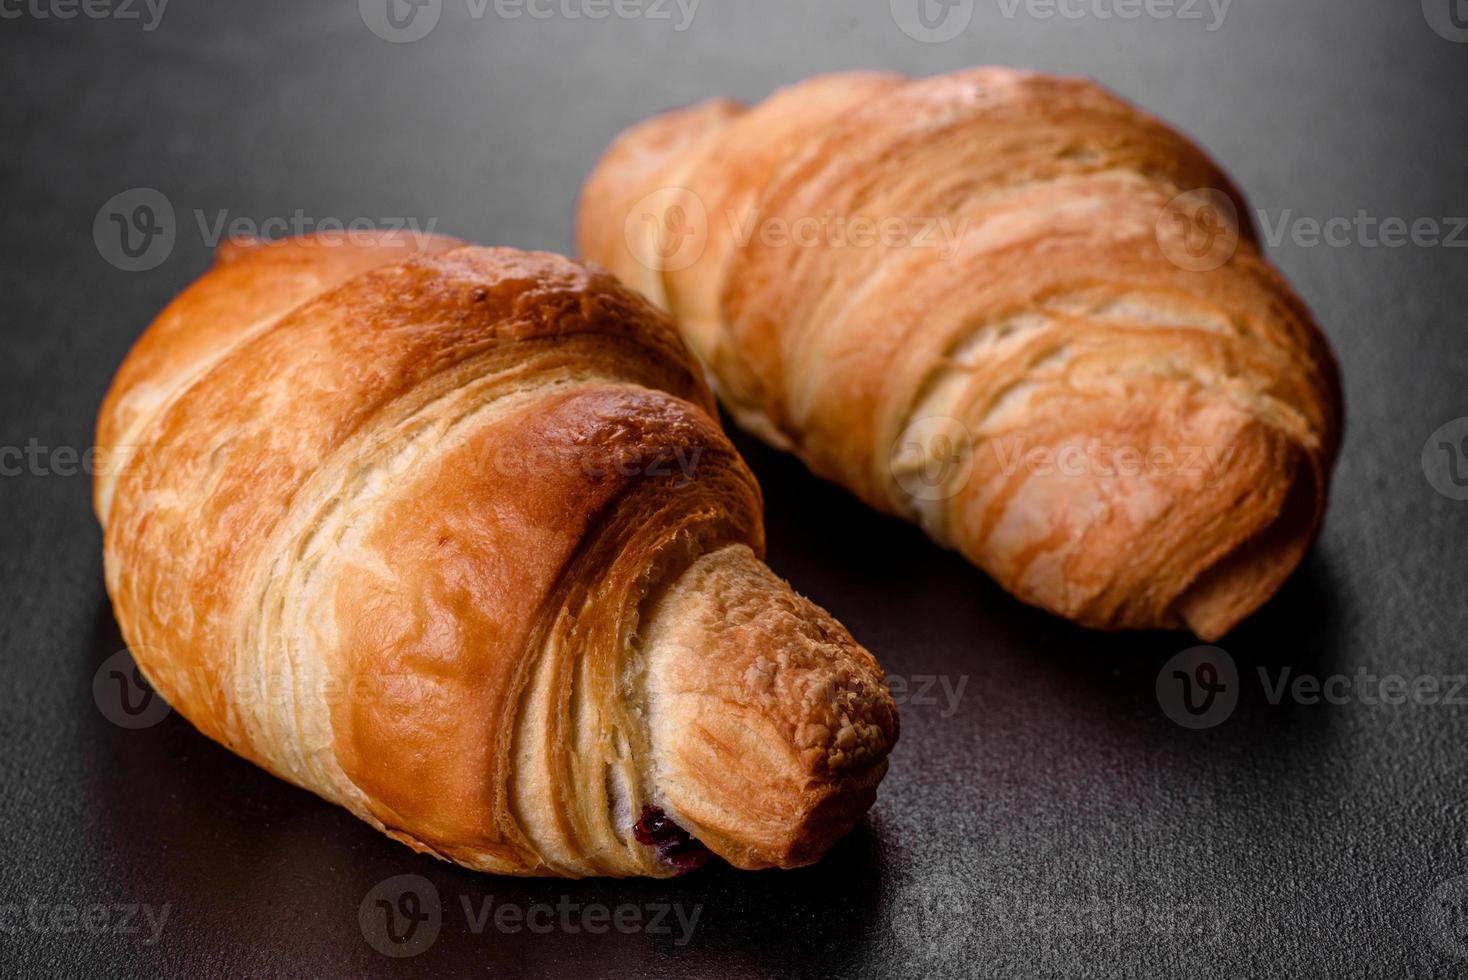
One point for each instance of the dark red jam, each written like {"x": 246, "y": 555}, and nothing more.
{"x": 674, "y": 844}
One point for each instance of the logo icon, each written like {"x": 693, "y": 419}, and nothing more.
{"x": 1445, "y": 459}
{"x": 933, "y": 458}
{"x": 933, "y": 919}
{"x": 932, "y": 21}
{"x": 400, "y": 21}
{"x": 1449, "y": 18}
{"x": 123, "y": 696}
{"x": 1445, "y": 917}
{"x": 135, "y": 230}
{"x": 401, "y": 916}
{"x": 667, "y": 230}
{"x": 1199, "y": 230}
{"x": 1199, "y": 688}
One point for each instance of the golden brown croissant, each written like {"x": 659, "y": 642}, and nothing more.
{"x": 449, "y": 536}
{"x": 979, "y": 302}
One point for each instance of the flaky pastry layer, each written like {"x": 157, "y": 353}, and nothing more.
{"x": 1006, "y": 305}
{"x": 450, "y": 536}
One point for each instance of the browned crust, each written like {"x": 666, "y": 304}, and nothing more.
{"x": 1062, "y": 315}
{"x": 387, "y": 526}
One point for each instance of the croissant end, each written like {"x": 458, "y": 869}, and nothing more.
{"x": 769, "y": 725}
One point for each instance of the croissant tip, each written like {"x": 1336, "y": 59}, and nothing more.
{"x": 770, "y": 725}
{"x": 1249, "y": 574}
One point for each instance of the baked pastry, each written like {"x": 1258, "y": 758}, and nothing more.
{"x": 1006, "y": 305}
{"x": 450, "y": 536}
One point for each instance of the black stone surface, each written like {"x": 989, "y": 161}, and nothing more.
{"x": 1053, "y": 821}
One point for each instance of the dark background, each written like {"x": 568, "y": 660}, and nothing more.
{"x": 1054, "y": 821}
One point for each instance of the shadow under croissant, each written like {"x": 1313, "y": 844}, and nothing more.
{"x": 1040, "y": 695}
{"x": 248, "y": 859}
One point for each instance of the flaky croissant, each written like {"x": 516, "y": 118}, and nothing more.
{"x": 1006, "y": 305}
{"x": 449, "y": 536}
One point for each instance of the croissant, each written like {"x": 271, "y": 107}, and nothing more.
{"x": 449, "y": 536}
{"x": 1007, "y": 306}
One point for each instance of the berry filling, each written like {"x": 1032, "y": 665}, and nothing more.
{"x": 674, "y": 844}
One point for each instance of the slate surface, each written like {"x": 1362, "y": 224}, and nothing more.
{"x": 1049, "y": 819}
